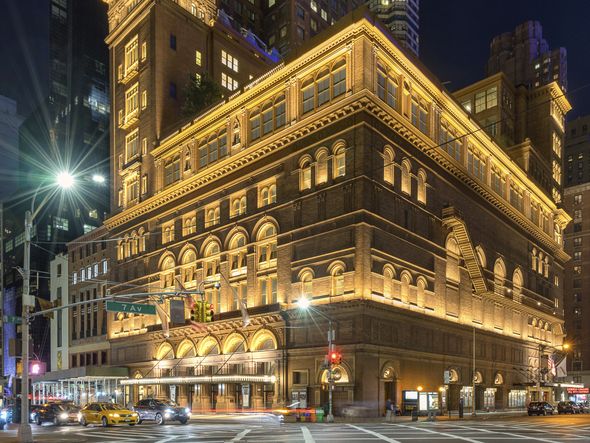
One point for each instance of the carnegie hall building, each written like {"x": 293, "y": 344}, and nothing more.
{"x": 348, "y": 176}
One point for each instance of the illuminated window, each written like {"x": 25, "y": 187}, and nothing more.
{"x": 198, "y": 58}
{"x": 421, "y": 195}
{"x": 267, "y": 247}
{"x": 450, "y": 141}
{"x": 144, "y": 100}
{"x": 388, "y": 165}
{"x": 132, "y": 145}
{"x": 228, "y": 82}
{"x": 267, "y": 194}
{"x": 321, "y": 166}
{"x": 212, "y": 261}
{"x": 212, "y": 149}
{"x": 327, "y": 84}
{"x": 132, "y": 100}
{"x": 337, "y": 280}
{"x": 268, "y": 290}
{"x": 132, "y": 189}
{"x": 419, "y": 113}
{"x": 306, "y": 279}
{"x": 305, "y": 174}
{"x": 61, "y": 223}
{"x": 475, "y": 164}
{"x": 168, "y": 233}
{"x": 189, "y": 225}
{"x": 237, "y": 256}
{"x": 230, "y": 61}
{"x": 237, "y": 205}
{"x": 486, "y": 99}
{"x": 406, "y": 177}
{"x": 211, "y": 216}
{"x": 131, "y": 54}
{"x": 340, "y": 162}
{"x": 387, "y": 86}
{"x": 270, "y": 117}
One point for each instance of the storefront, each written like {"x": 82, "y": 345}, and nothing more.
{"x": 578, "y": 394}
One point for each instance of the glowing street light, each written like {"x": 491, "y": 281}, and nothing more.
{"x": 303, "y": 303}
{"x": 97, "y": 178}
{"x": 65, "y": 180}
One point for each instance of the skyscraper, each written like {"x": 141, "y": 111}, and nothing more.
{"x": 526, "y": 58}
{"x": 402, "y": 19}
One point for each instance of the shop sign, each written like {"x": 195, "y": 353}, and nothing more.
{"x": 578, "y": 390}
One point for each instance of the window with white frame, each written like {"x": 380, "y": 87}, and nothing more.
{"x": 228, "y": 82}
{"x": 238, "y": 255}
{"x": 268, "y": 289}
{"x": 229, "y": 60}
{"x": 131, "y": 54}
{"x": 211, "y": 264}
{"x": 340, "y": 162}
{"x": 131, "y": 189}
{"x": 132, "y": 145}
{"x": 198, "y": 58}
{"x": 305, "y": 174}
{"x": 132, "y": 100}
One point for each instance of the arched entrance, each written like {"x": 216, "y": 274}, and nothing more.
{"x": 389, "y": 377}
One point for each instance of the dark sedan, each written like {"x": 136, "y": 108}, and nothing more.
{"x": 567, "y": 407}
{"x": 57, "y": 413}
{"x": 540, "y": 408}
{"x": 161, "y": 411}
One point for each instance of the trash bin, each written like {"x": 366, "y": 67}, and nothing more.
{"x": 415, "y": 414}
{"x": 319, "y": 413}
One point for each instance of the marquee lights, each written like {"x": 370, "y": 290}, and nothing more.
{"x": 203, "y": 379}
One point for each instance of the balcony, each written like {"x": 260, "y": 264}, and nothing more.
{"x": 129, "y": 120}
{"x": 129, "y": 74}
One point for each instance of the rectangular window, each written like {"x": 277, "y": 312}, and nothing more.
{"x": 198, "y": 58}
{"x": 60, "y": 315}
{"x": 61, "y": 223}
{"x": 577, "y": 199}
{"x": 144, "y": 184}
{"x": 173, "y": 90}
{"x": 172, "y": 171}
{"x": 144, "y": 99}
{"x": 173, "y": 42}
{"x": 228, "y": 82}
{"x": 143, "y": 51}
{"x": 230, "y": 61}
{"x": 132, "y": 100}
{"x": 131, "y": 54}
{"x": 132, "y": 145}
{"x": 308, "y": 98}
{"x": 132, "y": 190}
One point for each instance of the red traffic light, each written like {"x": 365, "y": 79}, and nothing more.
{"x": 335, "y": 358}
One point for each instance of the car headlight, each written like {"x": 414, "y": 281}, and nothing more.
{"x": 32, "y": 416}
{"x": 168, "y": 411}
{"x": 134, "y": 414}
{"x": 79, "y": 416}
{"x": 3, "y": 415}
{"x": 64, "y": 415}
{"x": 115, "y": 415}
{"x": 187, "y": 410}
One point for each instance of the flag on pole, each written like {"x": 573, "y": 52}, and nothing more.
{"x": 244, "y": 310}
{"x": 561, "y": 367}
{"x": 551, "y": 365}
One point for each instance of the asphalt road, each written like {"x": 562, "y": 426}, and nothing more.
{"x": 264, "y": 429}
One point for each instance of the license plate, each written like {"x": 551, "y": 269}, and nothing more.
{"x": 127, "y": 419}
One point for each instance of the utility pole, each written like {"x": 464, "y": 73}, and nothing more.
{"x": 330, "y": 417}
{"x": 473, "y": 378}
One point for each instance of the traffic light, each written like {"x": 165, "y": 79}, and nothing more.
{"x": 197, "y": 312}
{"x": 335, "y": 358}
{"x": 209, "y": 312}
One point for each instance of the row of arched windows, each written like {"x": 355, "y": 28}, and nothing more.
{"x": 406, "y": 174}
{"x": 131, "y": 244}
{"x": 321, "y": 166}
{"x": 336, "y": 272}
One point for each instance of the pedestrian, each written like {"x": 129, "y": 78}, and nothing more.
{"x": 388, "y": 409}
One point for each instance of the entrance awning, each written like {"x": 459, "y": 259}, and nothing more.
{"x": 200, "y": 379}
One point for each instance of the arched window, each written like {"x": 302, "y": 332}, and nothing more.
{"x": 534, "y": 260}
{"x": 337, "y": 284}
{"x": 268, "y": 195}
{"x": 305, "y": 173}
{"x": 188, "y": 263}
{"x": 126, "y": 248}
{"x": 339, "y": 167}
{"x": 517, "y": 284}
{"x": 211, "y": 216}
{"x": 546, "y": 267}
{"x": 308, "y": 93}
{"x": 142, "y": 235}
{"x": 388, "y": 166}
{"x": 267, "y": 246}
{"x": 421, "y": 194}
{"x": 327, "y": 84}
{"x": 120, "y": 250}
{"x": 387, "y": 86}
{"x": 406, "y": 177}
{"x": 167, "y": 272}
{"x": 254, "y": 124}
{"x": 388, "y": 276}
{"x": 406, "y": 282}
{"x": 190, "y": 225}
{"x": 481, "y": 256}
{"x": 211, "y": 260}
{"x": 306, "y": 279}
{"x": 453, "y": 254}
{"x": 499, "y": 277}
{"x": 321, "y": 166}
{"x": 238, "y": 205}
{"x": 237, "y": 256}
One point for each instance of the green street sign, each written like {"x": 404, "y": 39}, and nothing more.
{"x": 12, "y": 319}
{"x": 133, "y": 308}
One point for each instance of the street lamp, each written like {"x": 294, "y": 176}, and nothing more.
{"x": 305, "y": 304}
{"x": 97, "y": 178}
{"x": 63, "y": 180}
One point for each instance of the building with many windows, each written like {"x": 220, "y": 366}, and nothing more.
{"x": 347, "y": 176}
{"x": 402, "y": 18}
{"x": 577, "y": 196}
{"x": 526, "y": 58}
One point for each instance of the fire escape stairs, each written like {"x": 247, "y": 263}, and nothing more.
{"x": 452, "y": 219}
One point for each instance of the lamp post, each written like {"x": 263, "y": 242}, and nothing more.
{"x": 64, "y": 180}
{"x": 305, "y": 304}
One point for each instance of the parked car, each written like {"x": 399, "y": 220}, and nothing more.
{"x": 57, "y": 413}
{"x": 106, "y": 414}
{"x": 161, "y": 411}
{"x": 540, "y": 408}
{"x": 11, "y": 414}
{"x": 567, "y": 407}
{"x": 584, "y": 408}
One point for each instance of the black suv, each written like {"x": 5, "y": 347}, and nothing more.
{"x": 540, "y": 408}
{"x": 57, "y": 413}
{"x": 567, "y": 407}
{"x": 161, "y": 411}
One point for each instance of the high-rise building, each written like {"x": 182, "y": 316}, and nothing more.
{"x": 345, "y": 176}
{"x": 577, "y": 283}
{"x": 526, "y": 58}
{"x": 402, "y": 19}
{"x": 68, "y": 131}
{"x": 10, "y": 121}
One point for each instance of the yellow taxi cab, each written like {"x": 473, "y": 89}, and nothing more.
{"x": 107, "y": 414}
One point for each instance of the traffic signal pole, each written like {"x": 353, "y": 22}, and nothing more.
{"x": 330, "y": 416}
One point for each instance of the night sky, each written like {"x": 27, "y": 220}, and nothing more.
{"x": 454, "y": 42}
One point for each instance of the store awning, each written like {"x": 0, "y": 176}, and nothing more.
{"x": 200, "y": 379}
{"x": 84, "y": 373}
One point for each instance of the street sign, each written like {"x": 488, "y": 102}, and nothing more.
{"x": 12, "y": 319}
{"x": 133, "y": 308}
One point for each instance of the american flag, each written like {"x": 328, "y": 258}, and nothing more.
{"x": 551, "y": 366}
